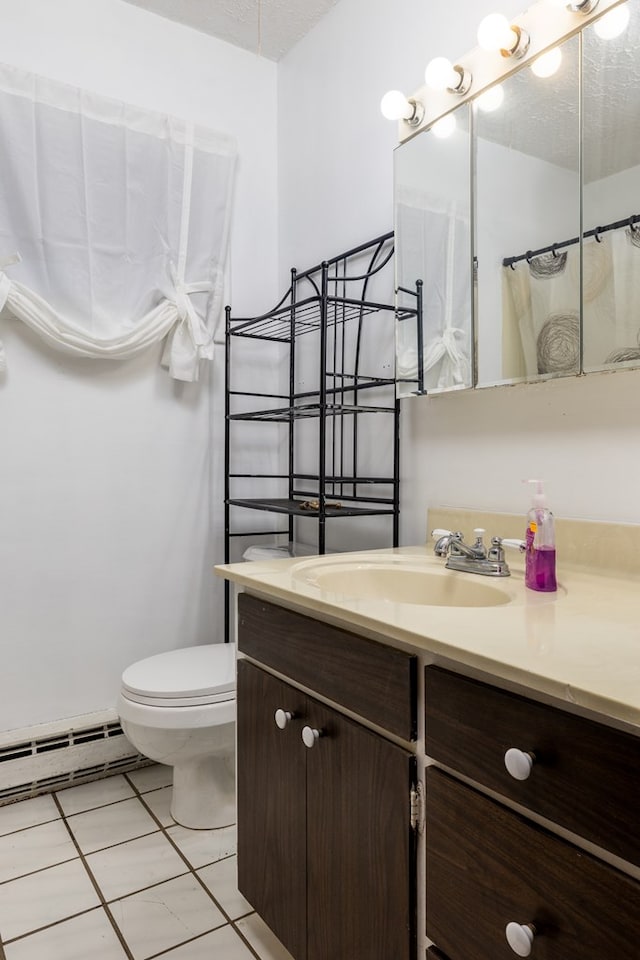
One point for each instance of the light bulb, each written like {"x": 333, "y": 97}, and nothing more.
{"x": 440, "y": 74}
{"x": 548, "y": 63}
{"x": 560, "y": 4}
{"x": 491, "y": 100}
{"x": 444, "y": 128}
{"x": 613, "y": 23}
{"x": 495, "y": 33}
{"x": 395, "y": 106}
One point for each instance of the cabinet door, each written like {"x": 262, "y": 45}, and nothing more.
{"x": 272, "y": 863}
{"x": 360, "y": 855}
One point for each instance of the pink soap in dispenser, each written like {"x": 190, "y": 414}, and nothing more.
{"x": 540, "y": 539}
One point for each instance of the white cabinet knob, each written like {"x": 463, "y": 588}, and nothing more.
{"x": 520, "y": 938}
{"x": 310, "y": 736}
{"x": 518, "y": 763}
{"x": 282, "y": 718}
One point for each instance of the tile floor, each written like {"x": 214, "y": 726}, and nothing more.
{"x": 102, "y": 872}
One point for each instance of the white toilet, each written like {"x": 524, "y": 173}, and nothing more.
{"x": 179, "y": 708}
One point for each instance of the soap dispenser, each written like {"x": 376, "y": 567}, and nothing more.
{"x": 540, "y": 540}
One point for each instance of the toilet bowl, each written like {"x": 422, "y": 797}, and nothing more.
{"x": 179, "y": 708}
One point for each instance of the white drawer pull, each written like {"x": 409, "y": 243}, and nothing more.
{"x": 519, "y": 764}
{"x": 520, "y": 938}
{"x": 282, "y": 718}
{"x": 310, "y": 736}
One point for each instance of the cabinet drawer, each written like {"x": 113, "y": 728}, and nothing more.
{"x": 374, "y": 681}
{"x": 487, "y": 867}
{"x": 584, "y": 777}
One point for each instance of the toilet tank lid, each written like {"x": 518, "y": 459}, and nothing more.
{"x": 187, "y": 672}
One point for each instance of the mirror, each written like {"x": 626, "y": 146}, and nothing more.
{"x": 527, "y": 206}
{"x": 560, "y": 155}
{"x": 432, "y": 190}
{"x": 611, "y": 195}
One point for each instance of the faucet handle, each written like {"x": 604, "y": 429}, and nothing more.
{"x": 514, "y": 544}
{"x": 437, "y": 533}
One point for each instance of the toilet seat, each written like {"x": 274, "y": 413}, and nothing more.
{"x": 187, "y": 677}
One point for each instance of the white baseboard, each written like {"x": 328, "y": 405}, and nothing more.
{"x": 50, "y": 756}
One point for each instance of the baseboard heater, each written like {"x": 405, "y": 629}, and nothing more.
{"x": 64, "y": 757}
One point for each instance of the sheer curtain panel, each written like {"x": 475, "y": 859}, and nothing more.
{"x": 113, "y": 223}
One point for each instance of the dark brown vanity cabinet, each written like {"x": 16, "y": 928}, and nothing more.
{"x": 326, "y": 851}
{"x": 489, "y": 866}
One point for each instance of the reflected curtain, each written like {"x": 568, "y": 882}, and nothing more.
{"x": 435, "y": 248}
{"x": 541, "y": 300}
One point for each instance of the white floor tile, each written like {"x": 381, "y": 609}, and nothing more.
{"x": 159, "y": 802}
{"x": 261, "y": 939}
{"x": 222, "y": 944}
{"x": 165, "y": 916}
{"x": 151, "y": 778}
{"x": 34, "y": 849}
{"x": 27, "y": 813}
{"x": 131, "y": 866}
{"x": 105, "y": 826}
{"x": 88, "y": 936}
{"x": 45, "y": 897}
{"x": 221, "y": 879}
{"x": 94, "y": 794}
{"x": 204, "y": 846}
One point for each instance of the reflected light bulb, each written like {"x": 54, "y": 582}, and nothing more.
{"x": 440, "y": 74}
{"x": 548, "y": 63}
{"x": 494, "y": 33}
{"x": 491, "y": 100}
{"x": 395, "y": 106}
{"x": 613, "y": 23}
{"x": 444, "y": 128}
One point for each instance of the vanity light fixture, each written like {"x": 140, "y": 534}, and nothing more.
{"x": 614, "y": 23}
{"x": 395, "y": 106}
{"x": 587, "y": 6}
{"x": 496, "y": 34}
{"x": 491, "y": 100}
{"x": 548, "y": 63}
{"x": 441, "y": 74}
{"x": 578, "y": 6}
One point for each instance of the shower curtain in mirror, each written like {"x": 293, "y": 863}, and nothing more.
{"x": 541, "y": 301}
{"x": 113, "y": 223}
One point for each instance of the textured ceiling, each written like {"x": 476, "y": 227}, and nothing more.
{"x": 267, "y": 27}
{"x": 542, "y": 117}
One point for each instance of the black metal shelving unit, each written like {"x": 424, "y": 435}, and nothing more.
{"x": 327, "y": 328}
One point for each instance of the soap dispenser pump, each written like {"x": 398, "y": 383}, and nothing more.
{"x": 540, "y": 540}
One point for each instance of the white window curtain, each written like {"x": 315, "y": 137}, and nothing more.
{"x": 114, "y": 223}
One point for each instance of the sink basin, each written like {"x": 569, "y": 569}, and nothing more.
{"x": 397, "y": 581}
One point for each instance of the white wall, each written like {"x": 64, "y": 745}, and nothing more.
{"x": 111, "y": 502}
{"x": 467, "y": 449}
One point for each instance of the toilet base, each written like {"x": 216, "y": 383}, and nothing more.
{"x": 203, "y": 796}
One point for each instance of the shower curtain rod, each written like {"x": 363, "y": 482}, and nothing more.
{"x": 617, "y": 225}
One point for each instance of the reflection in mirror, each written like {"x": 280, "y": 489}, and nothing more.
{"x": 527, "y": 202}
{"x": 611, "y": 193}
{"x": 432, "y": 187}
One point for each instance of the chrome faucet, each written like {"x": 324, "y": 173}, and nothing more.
{"x": 475, "y": 558}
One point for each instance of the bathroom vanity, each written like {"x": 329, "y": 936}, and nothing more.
{"x": 348, "y": 707}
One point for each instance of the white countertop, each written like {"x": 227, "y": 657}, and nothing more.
{"x": 580, "y": 645}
